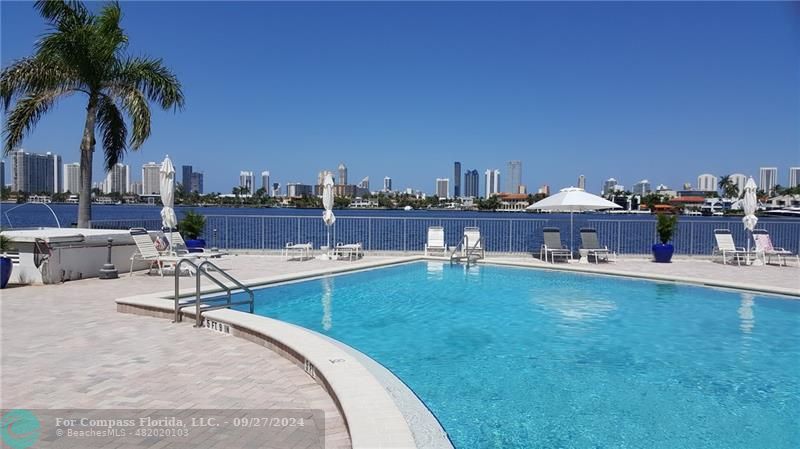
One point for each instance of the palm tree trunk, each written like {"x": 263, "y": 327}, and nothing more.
{"x": 87, "y": 152}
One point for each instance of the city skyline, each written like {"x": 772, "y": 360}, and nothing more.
{"x": 556, "y": 109}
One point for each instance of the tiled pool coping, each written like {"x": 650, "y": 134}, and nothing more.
{"x": 367, "y": 395}
{"x": 369, "y": 405}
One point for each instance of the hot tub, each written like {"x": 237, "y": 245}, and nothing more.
{"x": 53, "y": 255}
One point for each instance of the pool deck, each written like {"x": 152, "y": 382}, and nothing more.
{"x": 66, "y": 346}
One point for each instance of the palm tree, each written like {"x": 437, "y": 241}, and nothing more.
{"x": 84, "y": 53}
{"x": 728, "y": 187}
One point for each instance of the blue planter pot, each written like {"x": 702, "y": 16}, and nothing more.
{"x": 5, "y": 271}
{"x": 195, "y": 245}
{"x": 662, "y": 252}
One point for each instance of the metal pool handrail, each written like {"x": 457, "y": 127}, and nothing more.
{"x": 208, "y": 303}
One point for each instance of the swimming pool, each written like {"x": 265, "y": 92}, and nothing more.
{"x": 519, "y": 358}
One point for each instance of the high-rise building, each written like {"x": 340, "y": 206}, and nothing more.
{"x": 767, "y": 178}
{"x": 544, "y": 190}
{"x": 196, "y": 182}
{"x": 443, "y": 187}
{"x": 514, "y": 176}
{"x": 364, "y": 184}
{"x": 296, "y": 189}
{"x": 456, "y": 179}
{"x": 707, "y": 183}
{"x": 72, "y": 178}
{"x": 342, "y": 169}
{"x": 118, "y": 179}
{"x": 739, "y": 180}
{"x": 186, "y": 178}
{"x": 609, "y": 186}
{"x": 247, "y": 180}
{"x": 582, "y": 182}
{"x": 136, "y": 188}
{"x": 492, "y": 182}
{"x": 276, "y": 189}
{"x": 151, "y": 179}
{"x": 794, "y": 177}
{"x": 265, "y": 182}
{"x": 36, "y": 173}
{"x": 642, "y": 187}
{"x": 471, "y": 183}
{"x": 387, "y": 184}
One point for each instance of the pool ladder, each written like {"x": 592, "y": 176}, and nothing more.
{"x": 465, "y": 253}
{"x": 202, "y": 304}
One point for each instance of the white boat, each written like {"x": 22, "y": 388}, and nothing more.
{"x": 785, "y": 212}
{"x": 407, "y": 208}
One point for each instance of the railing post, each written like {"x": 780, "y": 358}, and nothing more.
{"x": 510, "y": 227}
{"x": 297, "y": 237}
{"x": 263, "y": 233}
{"x": 197, "y": 297}
{"x": 691, "y": 238}
{"x": 369, "y": 234}
{"x": 619, "y": 237}
{"x": 227, "y": 235}
{"x": 405, "y": 233}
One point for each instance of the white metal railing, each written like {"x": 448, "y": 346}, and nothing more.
{"x": 499, "y": 235}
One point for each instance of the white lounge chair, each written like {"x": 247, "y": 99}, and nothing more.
{"x": 590, "y": 243}
{"x": 179, "y": 248}
{"x": 552, "y": 247}
{"x": 727, "y": 249}
{"x": 767, "y": 251}
{"x": 351, "y": 250}
{"x": 472, "y": 243}
{"x": 435, "y": 241}
{"x": 303, "y": 249}
{"x": 147, "y": 251}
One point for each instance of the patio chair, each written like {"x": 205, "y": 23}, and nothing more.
{"x": 473, "y": 243}
{"x": 552, "y": 247}
{"x": 303, "y": 249}
{"x": 178, "y": 246}
{"x": 147, "y": 251}
{"x": 767, "y": 251}
{"x": 727, "y": 249}
{"x": 435, "y": 241}
{"x": 592, "y": 246}
{"x": 351, "y": 250}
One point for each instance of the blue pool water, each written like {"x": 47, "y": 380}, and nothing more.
{"x": 521, "y": 358}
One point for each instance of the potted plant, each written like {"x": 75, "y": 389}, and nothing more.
{"x": 665, "y": 227}
{"x": 191, "y": 226}
{"x": 5, "y": 262}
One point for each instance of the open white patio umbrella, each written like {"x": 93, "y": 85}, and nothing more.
{"x": 327, "y": 203}
{"x": 749, "y": 206}
{"x": 167, "y": 188}
{"x": 573, "y": 199}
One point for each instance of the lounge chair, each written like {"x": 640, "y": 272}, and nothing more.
{"x": 552, "y": 247}
{"x": 767, "y": 251}
{"x": 351, "y": 250}
{"x": 727, "y": 249}
{"x": 304, "y": 249}
{"x": 473, "y": 243}
{"x": 179, "y": 248}
{"x": 147, "y": 251}
{"x": 435, "y": 241}
{"x": 590, "y": 244}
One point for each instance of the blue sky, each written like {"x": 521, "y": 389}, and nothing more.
{"x": 663, "y": 91}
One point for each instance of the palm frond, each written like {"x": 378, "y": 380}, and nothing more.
{"x": 154, "y": 79}
{"x": 58, "y": 11}
{"x": 33, "y": 75}
{"x": 115, "y": 133}
{"x": 138, "y": 110}
{"x": 26, "y": 113}
{"x": 108, "y": 24}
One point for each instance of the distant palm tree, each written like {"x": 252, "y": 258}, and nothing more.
{"x": 84, "y": 53}
{"x": 728, "y": 187}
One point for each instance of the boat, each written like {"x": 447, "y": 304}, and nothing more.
{"x": 785, "y": 212}
{"x": 408, "y": 208}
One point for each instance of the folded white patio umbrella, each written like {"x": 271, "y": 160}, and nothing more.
{"x": 749, "y": 206}
{"x": 327, "y": 202}
{"x": 167, "y": 187}
{"x": 570, "y": 200}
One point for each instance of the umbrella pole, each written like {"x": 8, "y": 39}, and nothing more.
{"x": 571, "y": 234}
